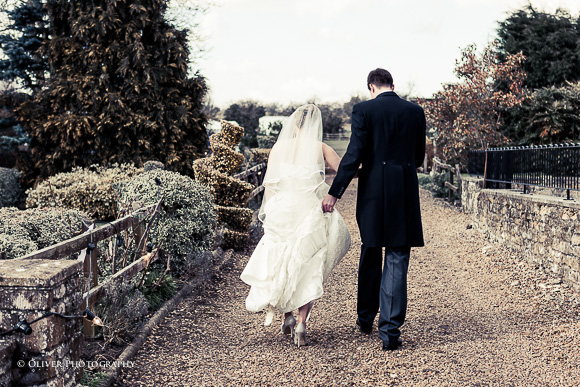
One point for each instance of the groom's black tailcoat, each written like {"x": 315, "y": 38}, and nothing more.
{"x": 388, "y": 139}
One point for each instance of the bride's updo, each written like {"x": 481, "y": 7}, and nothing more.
{"x": 306, "y": 115}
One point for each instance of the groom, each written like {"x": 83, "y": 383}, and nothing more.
{"x": 388, "y": 140}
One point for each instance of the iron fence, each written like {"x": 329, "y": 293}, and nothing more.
{"x": 548, "y": 166}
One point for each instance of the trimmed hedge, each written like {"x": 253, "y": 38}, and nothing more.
{"x": 86, "y": 189}
{"x": 187, "y": 221}
{"x": 23, "y": 232}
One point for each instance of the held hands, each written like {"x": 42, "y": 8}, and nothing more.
{"x": 328, "y": 203}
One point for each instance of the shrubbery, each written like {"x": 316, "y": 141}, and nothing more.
{"x": 266, "y": 142}
{"x": 23, "y": 232}
{"x": 87, "y": 189}
{"x": 187, "y": 220}
{"x": 435, "y": 183}
{"x": 10, "y": 191}
{"x": 123, "y": 314}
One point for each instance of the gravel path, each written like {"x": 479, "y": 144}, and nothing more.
{"x": 477, "y": 316}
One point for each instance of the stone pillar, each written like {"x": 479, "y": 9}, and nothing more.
{"x": 28, "y": 289}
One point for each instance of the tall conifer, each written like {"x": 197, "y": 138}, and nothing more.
{"x": 118, "y": 90}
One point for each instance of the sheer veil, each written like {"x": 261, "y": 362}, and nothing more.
{"x": 301, "y": 244}
{"x": 296, "y": 163}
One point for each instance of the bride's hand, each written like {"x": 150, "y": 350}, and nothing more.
{"x": 328, "y": 203}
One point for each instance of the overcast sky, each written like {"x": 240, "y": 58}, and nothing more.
{"x": 293, "y": 50}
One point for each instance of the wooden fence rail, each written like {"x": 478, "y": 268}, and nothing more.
{"x": 134, "y": 221}
{"x": 438, "y": 166}
{"x": 77, "y": 244}
{"x": 256, "y": 174}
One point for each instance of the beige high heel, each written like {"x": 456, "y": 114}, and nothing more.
{"x": 300, "y": 335}
{"x": 288, "y": 326}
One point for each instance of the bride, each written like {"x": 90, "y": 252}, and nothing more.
{"x": 301, "y": 244}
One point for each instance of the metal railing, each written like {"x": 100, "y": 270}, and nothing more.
{"x": 548, "y": 166}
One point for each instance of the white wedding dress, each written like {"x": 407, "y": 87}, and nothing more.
{"x": 301, "y": 245}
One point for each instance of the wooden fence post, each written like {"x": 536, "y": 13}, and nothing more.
{"x": 458, "y": 179}
{"x": 91, "y": 273}
{"x": 450, "y": 197}
{"x": 138, "y": 230}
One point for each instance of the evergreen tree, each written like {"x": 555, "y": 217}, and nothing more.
{"x": 21, "y": 45}
{"x": 12, "y": 135}
{"x": 547, "y": 116}
{"x": 550, "y": 43}
{"x": 118, "y": 89}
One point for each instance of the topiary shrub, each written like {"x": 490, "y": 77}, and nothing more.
{"x": 187, "y": 221}
{"x": 87, "y": 189}
{"x": 23, "y": 232}
{"x": 231, "y": 194}
{"x": 10, "y": 191}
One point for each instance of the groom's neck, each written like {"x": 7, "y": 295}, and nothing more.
{"x": 380, "y": 90}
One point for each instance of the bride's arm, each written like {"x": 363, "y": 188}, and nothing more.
{"x": 331, "y": 158}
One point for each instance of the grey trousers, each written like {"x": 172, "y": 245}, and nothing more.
{"x": 385, "y": 288}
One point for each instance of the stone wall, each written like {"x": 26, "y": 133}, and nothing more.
{"x": 50, "y": 355}
{"x": 543, "y": 229}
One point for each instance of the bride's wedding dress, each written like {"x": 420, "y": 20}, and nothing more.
{"x": 301, "y": 245}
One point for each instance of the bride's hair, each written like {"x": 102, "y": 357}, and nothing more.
{"x": 304, "y": 114}
{"x": 380, "y": 78}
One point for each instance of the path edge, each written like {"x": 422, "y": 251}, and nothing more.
{"x": 221, "y": 258}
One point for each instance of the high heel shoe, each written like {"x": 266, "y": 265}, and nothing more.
{"x": 288, "y": 325}
{"x": 300, "y": 335}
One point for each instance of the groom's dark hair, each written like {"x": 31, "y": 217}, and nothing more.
{"x": 380, "y": 78}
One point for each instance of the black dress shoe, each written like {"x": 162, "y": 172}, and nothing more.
{"x": 363, "y": 328}
{"x": 392, "y": 347}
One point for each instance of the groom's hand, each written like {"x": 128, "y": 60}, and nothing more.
{"x": 328, "y": 203}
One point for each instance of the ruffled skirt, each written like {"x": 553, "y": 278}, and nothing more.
{"x": 300, "y": 247}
